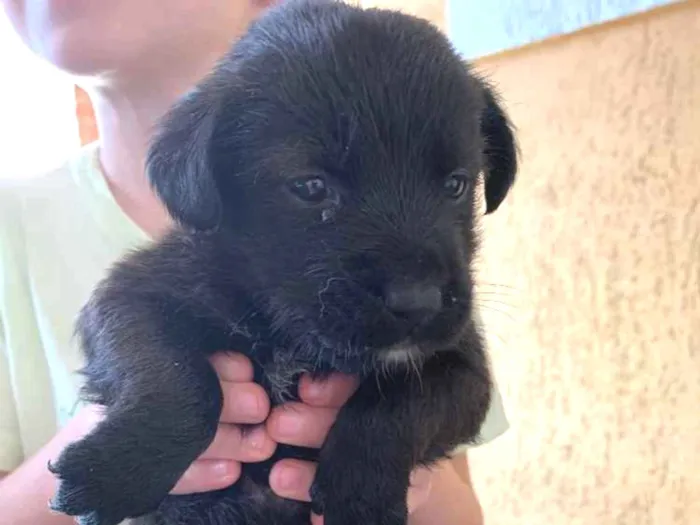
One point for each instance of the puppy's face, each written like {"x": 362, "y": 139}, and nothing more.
{"x": 337, "y": 151}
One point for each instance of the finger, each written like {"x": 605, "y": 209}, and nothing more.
{"x": 207, "y": 475}
{"x": 232, "y": 367}
{"x": 301, "y": 425}
{"x": 332, "y": 392}
{"x": 419, "y": 489}
{"x": 244, "y": 403}
{"x": 231, "y": 443}
{"x": 316, "y": 519}
{"x": 291, "y": 479}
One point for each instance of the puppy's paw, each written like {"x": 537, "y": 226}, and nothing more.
{"x": 342, "y": 499}
{"x": 104, "y": 485}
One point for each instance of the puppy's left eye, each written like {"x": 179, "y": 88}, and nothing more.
{"x": 310, "y": 189}
{"x": 456, "y": 184}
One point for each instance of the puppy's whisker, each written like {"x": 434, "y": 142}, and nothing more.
{"x": 491, "y": 292}
{"x": 497, "y": 303}
{"x": 416, "y": 369}
{"x": 500, "y": 286}
{"x": 505, "y": 314}
{"x": 379, "y": 384}
{"x": 501, "y": 339}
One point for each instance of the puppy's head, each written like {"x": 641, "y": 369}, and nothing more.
{"x": 337, "y": 151}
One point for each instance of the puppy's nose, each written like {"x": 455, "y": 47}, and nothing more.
{"x": 415, "y": 302}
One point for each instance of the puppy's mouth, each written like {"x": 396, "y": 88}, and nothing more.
{"x": 347, "y": 326}
{"x": 397, "y": 336}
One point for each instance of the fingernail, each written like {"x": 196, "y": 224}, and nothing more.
{"x": 249, "y": 404}
{"x": 257, "y": 438}
{"x": 238, "y": 361}
{"x": 286, "y": 479}
{"x": 316, "y": 389}
{"x": 289, "y": 424}
{"x": 221, "y": 469}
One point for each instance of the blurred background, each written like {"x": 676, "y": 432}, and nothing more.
{"x": 590, "y": 273}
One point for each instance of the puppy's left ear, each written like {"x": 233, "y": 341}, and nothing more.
{"x": 178, "y": 161}
{"x": 500, "y": 153}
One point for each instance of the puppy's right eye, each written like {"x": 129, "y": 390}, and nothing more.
{"x": 311, "y": 189}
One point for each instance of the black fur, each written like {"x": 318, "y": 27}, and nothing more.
{"x": 379, "y": 106}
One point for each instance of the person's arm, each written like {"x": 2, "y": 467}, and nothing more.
{"x": 451, "y": 499}
{"x": 25, "y": 492}
{"x": 25, "y": 489}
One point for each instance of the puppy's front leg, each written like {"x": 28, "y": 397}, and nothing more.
{"x": 389, "y": 427}
{"x": 162, "y": 404}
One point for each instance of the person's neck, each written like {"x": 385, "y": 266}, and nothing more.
{"x": 126, "y": 117}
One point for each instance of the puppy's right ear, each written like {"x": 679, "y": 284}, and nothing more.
{"x": 178, "y": 162}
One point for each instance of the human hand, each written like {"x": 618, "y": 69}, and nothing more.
{"x": 245, "y": 403}
{"x": 307, "y": 424}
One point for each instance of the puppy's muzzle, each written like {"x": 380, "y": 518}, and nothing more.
{"x": 416, "y": 303}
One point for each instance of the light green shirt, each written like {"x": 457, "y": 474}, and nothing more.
{"x": 58, "y": 235}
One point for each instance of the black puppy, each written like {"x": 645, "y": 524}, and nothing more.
{"x": 324, "y": 179}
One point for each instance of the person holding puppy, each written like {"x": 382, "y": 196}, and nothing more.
{"x": 60, "y": 232}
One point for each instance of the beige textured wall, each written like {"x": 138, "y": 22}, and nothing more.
{"x": 599, "y": 252}
{"x": 592, "y": 278}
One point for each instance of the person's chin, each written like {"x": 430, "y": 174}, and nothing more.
{"x": 77, "y": 53}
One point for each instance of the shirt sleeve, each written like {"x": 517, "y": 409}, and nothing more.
{"x": 496, "y": 422}
{"x": 11, "y": 450}
{"x": 10, "y": 443}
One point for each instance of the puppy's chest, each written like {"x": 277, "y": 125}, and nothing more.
{"x": 276, "y": 370}
{"x": 280, "y": 377}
